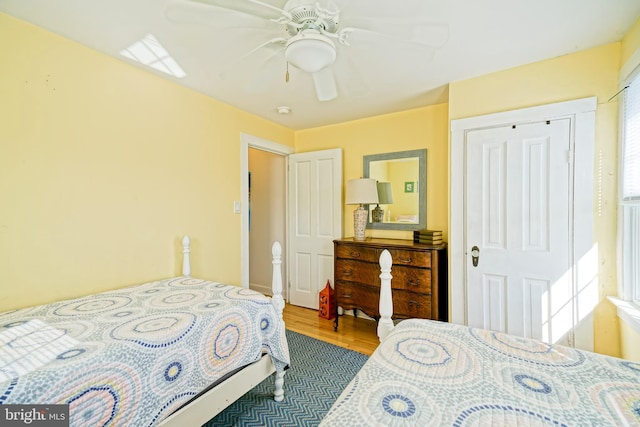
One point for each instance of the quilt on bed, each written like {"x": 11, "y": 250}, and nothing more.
{"x": 429, "y": 373}
{"x": 134, "y": 355}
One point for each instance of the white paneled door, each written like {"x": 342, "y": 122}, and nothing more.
{"x": 315, "y": 220}
{"x": 517, "y": 227}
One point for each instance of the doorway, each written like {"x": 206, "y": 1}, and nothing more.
{"x": 510, "y": 302}
{"x": 280, "y": 152}
{"x": 267, "y": 214}
{"x": 313, "y": 218}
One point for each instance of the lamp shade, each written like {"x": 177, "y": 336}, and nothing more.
{"x": 361, "y": 191}
{"x": 385, "y": 197}
{"x": 310, "y": 51}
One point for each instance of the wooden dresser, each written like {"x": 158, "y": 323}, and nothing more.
{"x": 419, "y": 285}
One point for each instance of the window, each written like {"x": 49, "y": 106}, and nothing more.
{"x": 629, "y": 208}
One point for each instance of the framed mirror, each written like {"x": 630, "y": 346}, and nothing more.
{"x": 402, "y": 190}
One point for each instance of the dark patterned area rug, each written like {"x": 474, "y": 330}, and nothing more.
{"x": 318, "y": 374}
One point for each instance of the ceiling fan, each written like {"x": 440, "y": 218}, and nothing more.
{"x": 313, "y": 36}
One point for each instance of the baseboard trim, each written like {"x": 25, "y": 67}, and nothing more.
{"x": 263, "y": 289}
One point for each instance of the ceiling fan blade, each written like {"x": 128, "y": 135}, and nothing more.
{"x": 325, "y": 84}
{"x": 352, "y": 81}
{"x": 389, "y": 9}
{"x": 428, "y": 34}
{"x": 275, "y": 44}
{"x": 398, "y": 49}
{"x": 421, "y": 21}
{"x": 249, "y": 7}
{"x": 358, "y": 69}
{"x": 193, "y": 12}
{"x": 268, "y": 73}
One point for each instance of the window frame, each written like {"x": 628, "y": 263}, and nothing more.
{"x": 628, "y": 212}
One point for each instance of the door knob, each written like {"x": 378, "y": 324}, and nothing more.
{"x": 475, "y": 255}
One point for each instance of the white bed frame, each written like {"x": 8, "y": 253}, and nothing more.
{"x": 215, "y": 400}
{"x": 385, "y": 324}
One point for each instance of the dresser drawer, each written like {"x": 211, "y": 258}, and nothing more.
{"x": 357, "y": 253}
{"x": 356, "y": 271}
{"x": 410, "y": 279}
{"x": 419, "y": 283}
{"x": 411, "y": 304}
{"x": 352, "y": 295}
{"x": 412, "y": 258}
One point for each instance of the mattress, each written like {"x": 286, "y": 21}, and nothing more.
{"x": 429, "y": 373}
{"x": 134, "y": 355}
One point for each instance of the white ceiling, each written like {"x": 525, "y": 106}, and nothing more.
{"x": 472, "y": 38}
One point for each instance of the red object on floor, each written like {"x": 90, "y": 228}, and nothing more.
{"x": 327, "y": 302}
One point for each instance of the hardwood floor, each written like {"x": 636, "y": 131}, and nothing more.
{"x": 356, "y": 334}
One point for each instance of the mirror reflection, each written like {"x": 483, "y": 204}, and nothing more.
{"x": 401, "y": 184}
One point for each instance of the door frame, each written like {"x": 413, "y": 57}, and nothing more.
{"x": 581, "y": 112}
{"x": 252, "y": 141}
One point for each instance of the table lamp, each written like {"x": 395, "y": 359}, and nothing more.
{"x": 361, "y": 192}
{"x": 385, "y": 197}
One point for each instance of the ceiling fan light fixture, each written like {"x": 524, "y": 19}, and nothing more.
{"x": 310, "y": 51}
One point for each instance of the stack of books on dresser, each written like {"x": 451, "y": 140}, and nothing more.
{"x": 429, "y": 237}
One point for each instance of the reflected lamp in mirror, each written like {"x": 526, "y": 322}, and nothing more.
{"x": 361, "y": 192}
{"x": 385, "y": 197}
{"x": 409, "y": 209}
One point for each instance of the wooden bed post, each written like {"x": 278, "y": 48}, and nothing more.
{"x": 385, "y": 324}
{"x": 278, "y": 303}
{"x": 186, "y": 260}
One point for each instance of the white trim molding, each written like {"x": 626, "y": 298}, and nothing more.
{"x": 629, "y": 67}
{"x": 628, "y": 312}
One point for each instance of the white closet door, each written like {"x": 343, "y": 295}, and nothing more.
{"x": 517, "y": 225}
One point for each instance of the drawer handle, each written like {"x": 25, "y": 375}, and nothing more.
{"x": 404, "y": 260}
{"x": 416, "y": 303}
{"x": 347, "y": 272}
{"x": 355, "y": 254}
{"x": 414, "y": 282}
{"x": 347, "y": 295}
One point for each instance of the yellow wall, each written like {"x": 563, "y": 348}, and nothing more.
{"x": 425, "y": 127}
{"x": 629, "y": 338}
{"x": 629, "y": 342}
{"x": 588, "y": 73}
{"x": 103, "y": 166}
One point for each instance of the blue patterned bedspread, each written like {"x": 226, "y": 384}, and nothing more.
{"x": 429, "y": 373}
{"x": 140, "y": 352}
